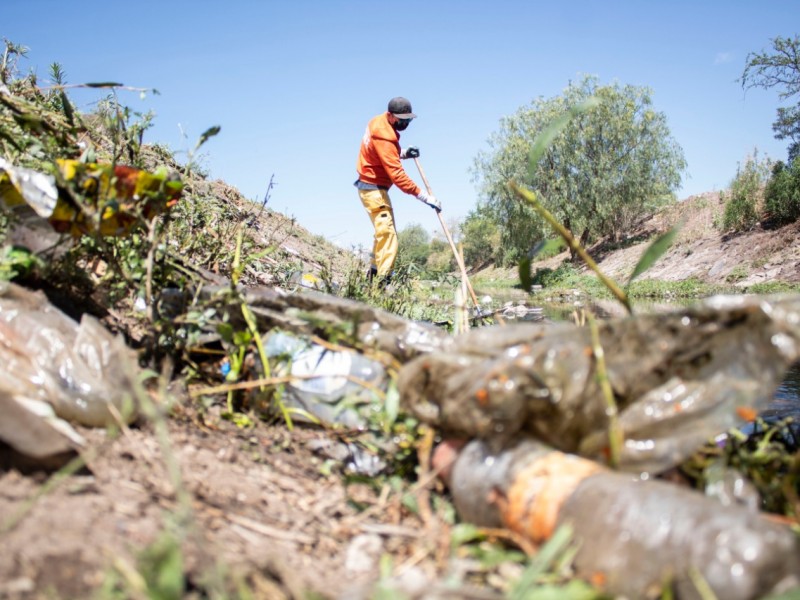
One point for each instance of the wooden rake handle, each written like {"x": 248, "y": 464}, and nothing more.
{"x": 449, "y": 237}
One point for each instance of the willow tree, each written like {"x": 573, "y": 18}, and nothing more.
{"x": 612, "y": 164}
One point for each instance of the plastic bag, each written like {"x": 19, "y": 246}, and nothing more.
{"x": 81, "y": 370}
{"x": 32, "y": 429}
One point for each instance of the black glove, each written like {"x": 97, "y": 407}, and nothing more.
{"x": 410, "y": 152}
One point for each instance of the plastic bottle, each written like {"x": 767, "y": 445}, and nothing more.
{"x": 330, "y": 384}
{"x": 634, "y": 536}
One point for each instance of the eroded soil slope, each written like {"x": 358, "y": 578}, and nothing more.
{"x": 703, "y": 252}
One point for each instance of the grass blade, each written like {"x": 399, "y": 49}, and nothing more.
{"x": 654, "y": 251}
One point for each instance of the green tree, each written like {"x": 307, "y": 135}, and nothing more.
{"x": 481, "y": 237}
{"x": 612, "y": 164}
{"x": 441, "y": 259}
{"x": 779, "y": 68}
{"x": 414, "y": 246}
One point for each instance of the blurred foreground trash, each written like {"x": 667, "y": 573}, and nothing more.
{"x": 35, "y": 435}
{"x": 310, "y": 312}
{"x": 80, "y": 370}
{"x": 633, "y": 537}
{"x": 677, "y": 379}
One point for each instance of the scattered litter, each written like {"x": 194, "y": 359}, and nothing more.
{"x": 113, "y": 198}
{"x": 522, "y": 312}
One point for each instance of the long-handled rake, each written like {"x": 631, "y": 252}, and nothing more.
{"x": 456, "y": 253}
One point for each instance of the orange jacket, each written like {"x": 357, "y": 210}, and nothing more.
{"x": 379, "y": 157}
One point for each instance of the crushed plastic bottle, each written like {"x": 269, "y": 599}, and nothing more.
{"x": 677, "y": 379}
{"x": 633, "y": 536}
{"x": 334, "y": 386}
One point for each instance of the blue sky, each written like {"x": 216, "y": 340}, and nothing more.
{"x": 293, "y": 83}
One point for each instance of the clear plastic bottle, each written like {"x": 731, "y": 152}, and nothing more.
{"x": 330, "y": 384}
{"x": 633, "y": 535}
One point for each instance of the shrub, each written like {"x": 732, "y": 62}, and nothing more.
{"x": 782, "y": 194}
{"x": 738, "y": 273}
{"x": 481, "y": 237}
{"x": 742, "y": 202}
{"x": 565, "y": 275}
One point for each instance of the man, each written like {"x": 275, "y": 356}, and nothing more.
{"x": 379, "y": 168}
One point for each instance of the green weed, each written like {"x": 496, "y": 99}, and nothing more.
{"x": 738, "y": 273}
{"x": 744, "y": 197}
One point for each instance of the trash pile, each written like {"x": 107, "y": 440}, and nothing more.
{"x": 521, "y": 409}
{"x": 529, "y": 403}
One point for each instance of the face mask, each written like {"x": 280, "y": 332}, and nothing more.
{"x": 401, "y": 124}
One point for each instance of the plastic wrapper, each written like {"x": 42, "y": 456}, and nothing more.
{"x": 87, "y": 197}
{"x": 81, "y": 370}
{"x": 677, "y": 379}
{"x": 37, "y": 437}
{"x": 632, "y": 536}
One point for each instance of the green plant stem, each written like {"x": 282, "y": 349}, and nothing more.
{"x": 616, "y": 436}
{"x": 530, "y": 197}
{"x": 701, "y": 586}
{"x": 251, "y": 324}
{"x": 148, "y": 283}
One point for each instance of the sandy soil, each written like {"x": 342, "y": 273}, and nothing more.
{"x": 701, "y": 251}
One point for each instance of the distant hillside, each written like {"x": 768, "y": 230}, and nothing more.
{"x": 291, "y": 249}
{"x": 700, "y": 251}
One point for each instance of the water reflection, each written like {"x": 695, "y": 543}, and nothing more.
{"x": 789, "y": 390}
{"x": 786, "y": 402}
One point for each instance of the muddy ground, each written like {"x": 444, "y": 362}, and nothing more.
{"x": 265, "y": 512}
{"x": 267, "y": 509}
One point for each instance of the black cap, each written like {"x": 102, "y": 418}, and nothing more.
{"x": 401, "y": 108}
